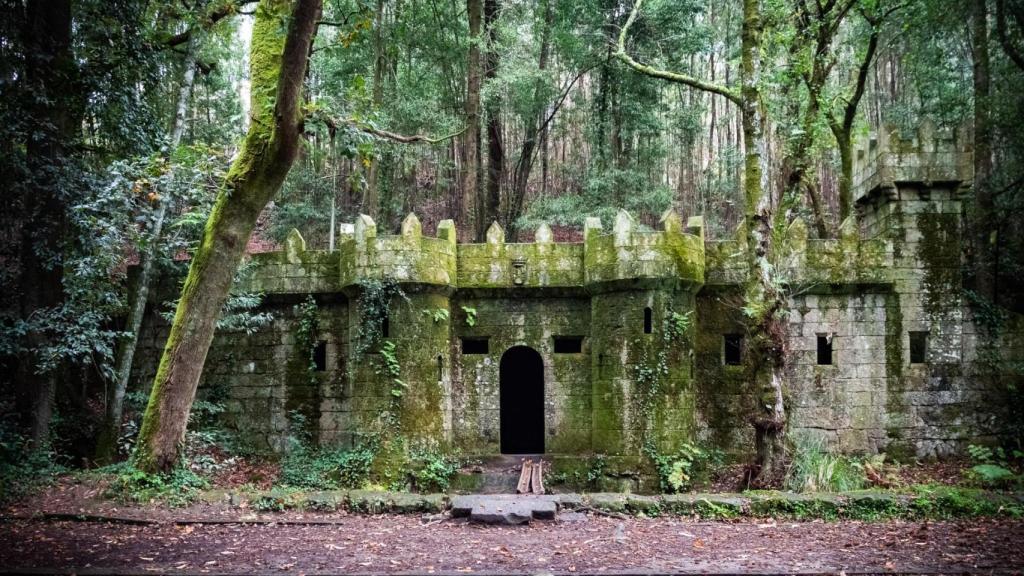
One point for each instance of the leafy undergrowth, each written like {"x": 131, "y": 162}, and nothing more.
{"x": 22, "y": 471}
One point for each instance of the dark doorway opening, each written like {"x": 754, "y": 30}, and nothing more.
{"x": 522, "y": 401}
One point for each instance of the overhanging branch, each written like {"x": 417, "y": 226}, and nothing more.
{"x": 620, "y": 53}
{"x": 333, "y": 123}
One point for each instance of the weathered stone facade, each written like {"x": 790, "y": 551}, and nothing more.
{"x": 640, "y": 332}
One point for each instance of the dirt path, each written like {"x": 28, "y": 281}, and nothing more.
{"x": 388, "y": 544}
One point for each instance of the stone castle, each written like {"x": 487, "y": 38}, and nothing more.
{"x": 628, "y": 338}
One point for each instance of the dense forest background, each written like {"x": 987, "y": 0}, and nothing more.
{"x": 120, "y": 119}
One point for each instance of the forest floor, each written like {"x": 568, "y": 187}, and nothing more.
{"x": 70, "y": 527}
{"x": 587, "y": 544}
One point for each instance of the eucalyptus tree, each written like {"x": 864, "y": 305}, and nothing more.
{"x": 813, "y": 57}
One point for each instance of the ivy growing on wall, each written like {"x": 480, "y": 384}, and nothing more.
{"x": 306, "y": 334}
{"x": 375, "y": 301}
{"x": 673, "y": 469}
{"x": 652, "y": 368}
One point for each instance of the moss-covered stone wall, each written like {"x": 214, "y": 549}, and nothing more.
{"x": 651, "y": 309}
{"x": 533, "y": 321}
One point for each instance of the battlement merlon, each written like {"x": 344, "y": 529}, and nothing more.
{"x": 927, "y": 155}
{"x": 625, "y": 258}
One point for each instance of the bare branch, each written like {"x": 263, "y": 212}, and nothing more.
{"x": 332, "y": 127}
{"x": 620, "y": 53}
{"x": 401, "y": 138}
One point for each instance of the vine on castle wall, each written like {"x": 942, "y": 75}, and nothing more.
{"x": 306, "y": 334}
{"x": 674, "y": 470}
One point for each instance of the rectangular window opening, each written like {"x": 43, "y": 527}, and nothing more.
{"x": 320, "y": 356}
{"x": 568, "y": 344}
{"x": 918, "y": 347}
{"x": 385, "y": 327}
{"x": 648, "y": 321}
{"x": 732, "y": 351}
{"x": 825, "y": 349}
{"x": 475, "y": 346}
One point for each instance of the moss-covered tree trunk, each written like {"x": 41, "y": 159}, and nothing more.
{"x": 277, "y": 67}
{"x": 764, "y": 301}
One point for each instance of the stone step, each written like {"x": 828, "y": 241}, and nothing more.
{"x": 506, "y": 508}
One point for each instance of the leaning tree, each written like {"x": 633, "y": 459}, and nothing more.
{"x": 281, "y": 40}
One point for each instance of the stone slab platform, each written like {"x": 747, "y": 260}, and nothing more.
{"x": 508, "y": 508}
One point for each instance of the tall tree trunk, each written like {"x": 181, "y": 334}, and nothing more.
{"x": 768, "y": 316}
{"x": 471, "y": 168}
{"x": 491, "y": 201}
{"x": 372, "y": 203}
{"x": 537, "y": 123}
{"x": 984, "y": 210}
{"x": 106, "y": 447}
{"x": 278, "y": 65}
{"x": 54, "y": 122}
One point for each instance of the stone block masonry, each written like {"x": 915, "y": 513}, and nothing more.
{"x": 640, "y": 334}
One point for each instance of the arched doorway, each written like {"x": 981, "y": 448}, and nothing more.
{"x": 522, "y": 401}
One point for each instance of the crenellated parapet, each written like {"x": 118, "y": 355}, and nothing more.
{"x": 542, "y": 263}
{"x": 294, "y": 270}
{"x": 927, "y": 155}
{"x": 409, "y": 257}
{"x": 628, "y": 257}
{"x": 625, "y": 257}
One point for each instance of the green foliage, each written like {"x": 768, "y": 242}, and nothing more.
{"x": 596, "y": 468}
{"x": 430, "y": 471}
{"x": 677, "y": 325}
{"x": 676, "y": 471}
{"x": 470, "y": 316}
{"x": 179, "y": 487}
{"x": 307, "y": 331}
{"x": 603, "y": 195}
{"x": 328, "y": 468}
{"x": 815, "y": 469}
{"x": 21, "y": 469}
{"x": 375, "y": 300}
{"x": 992, "y": 466}
{"x": 239, "y": 312}
{"x": 437, "y": 314}
{"x": 389, "y": 367}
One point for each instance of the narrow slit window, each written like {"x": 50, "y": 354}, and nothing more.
{"x": 918, "y": 347}
{"x": 732, "y": 349}
{"x": 824, "y": 349}
{"x": 320, "y": 356}
{"x": 600, "y": 365}
{"x": 568, "y": 344}
{"x": 475, "y": 346}
{"x": 385, "y": 327}
{"x": 648, "y": 321}
{"x": 440, "y": 369}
